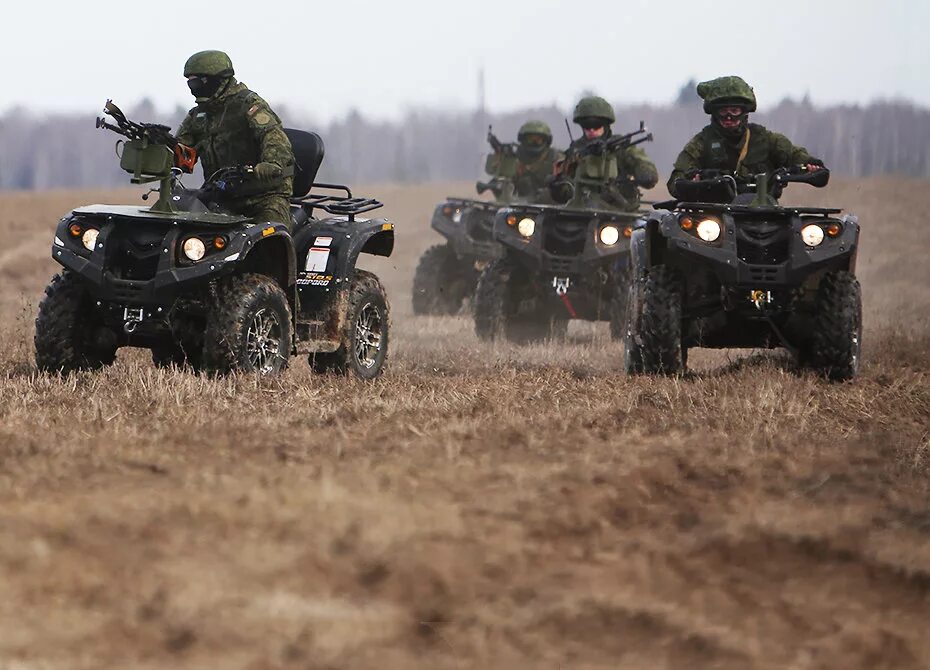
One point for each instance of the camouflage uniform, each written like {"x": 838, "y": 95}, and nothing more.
{"x": 610, "y": 178}
{"x": 533, "y": 166}
{"x": 716, "y": 148}
{"x": 237, "y": 127}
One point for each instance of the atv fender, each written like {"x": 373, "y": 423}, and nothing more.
{"x": 645, "y": 244}
{"x": 266, "y": 249}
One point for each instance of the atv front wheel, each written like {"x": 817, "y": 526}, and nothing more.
{"x": 365, "y": 334}
{"x": 496, "y": 307}
{"x": 69, "y": 336}
{"x": 836, "y": 343}
{"x": 660, "y": 323}
{"x": 441, "y": 282}
{"x": 249, "y": 328}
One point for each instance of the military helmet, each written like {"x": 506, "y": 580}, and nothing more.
{"x": 594, "y": 106}
{"x": 209, "y": 64}
{"x": 724, "y": 91}
{"x": 535, "y": 128}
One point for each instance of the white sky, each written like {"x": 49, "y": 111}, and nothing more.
{"x": 323, "y": 58}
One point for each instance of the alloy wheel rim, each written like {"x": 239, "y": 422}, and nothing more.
{"x": 263, "y": 339}
{"x": 369, "y": 335}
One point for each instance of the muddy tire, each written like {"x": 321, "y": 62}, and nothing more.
{"x": 249, "y": 327}
{"x": 492, "y": 308}
{"x": 441, "y": 282}
{"x": 67, "y": 336}
{"x": 660, "y": 323}
{"x": 364, "y": 347}
{"x": 496, "y": 310}
{"x": 836, "y": 343}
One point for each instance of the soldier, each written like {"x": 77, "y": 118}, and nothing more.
{"x": 535, "y": 158}
{"x": 730, "y": 142}
{"x": 614, "y": 176}
{"x": 232, "y": 126}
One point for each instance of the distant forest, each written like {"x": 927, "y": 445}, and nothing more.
{"x": 66, "y": 151}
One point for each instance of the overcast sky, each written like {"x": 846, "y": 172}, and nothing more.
{"x": 383, "y": 57}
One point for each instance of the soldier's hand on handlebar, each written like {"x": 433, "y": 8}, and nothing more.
{"x": 268, "y": 171}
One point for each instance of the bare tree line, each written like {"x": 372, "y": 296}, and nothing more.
{"x": 66, "y": 151}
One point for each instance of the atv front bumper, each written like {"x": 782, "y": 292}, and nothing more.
{"x": 723, "y": 258}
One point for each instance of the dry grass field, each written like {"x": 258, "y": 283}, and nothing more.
{"x": 478, "y": 506}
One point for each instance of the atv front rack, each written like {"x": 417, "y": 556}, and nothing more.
{"x": 335, "y": 204}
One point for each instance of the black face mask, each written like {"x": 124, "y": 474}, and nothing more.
{"x": 527, "y": 153}
{"x": 205, "y": 86}
{"x": 733, "y": 133}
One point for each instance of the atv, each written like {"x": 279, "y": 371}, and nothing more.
{"x": 447, "y": 273}
{"x": 560, "y": 262}
{"x": 211, "y": 290}
{"x": 727, "y": 266}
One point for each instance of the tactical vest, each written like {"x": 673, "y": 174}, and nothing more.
{"x": 719, "y": 154}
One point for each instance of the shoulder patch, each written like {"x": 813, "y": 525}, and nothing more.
{"x": 262, "y": 118}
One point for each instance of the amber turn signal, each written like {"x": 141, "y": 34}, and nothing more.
{"x": 219, "y": 242}
{"x": 686, "y": 223}
{"x": 628, "y": 232}
{"x": 447, "y": 210}
{"x": 834, "y": 229}
{"x": 75, "y": 230}
{"x": 512, "y": 220}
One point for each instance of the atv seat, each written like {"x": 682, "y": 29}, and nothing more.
{"x": 308, "y": 156}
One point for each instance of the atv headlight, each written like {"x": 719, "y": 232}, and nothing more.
{"x": 457, "y": 216}
{"x": 610, "y": 235}
{"x": 526, "y": 227}
{"x": 708, "y": 230}
{"x": 812, "y": 234}
{"x": 89, "y": 238}
{"x": 194, "y": 248}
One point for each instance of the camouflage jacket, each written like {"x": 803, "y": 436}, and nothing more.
{"x": 710, "y": 149}
{"x": 239, "y": 128}
{"x": 614, "y": 177}
{"x": 528, "y": 178}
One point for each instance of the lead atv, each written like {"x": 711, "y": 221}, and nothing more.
{"x": 212, "y": 290}
{"x": 727, "y": 266}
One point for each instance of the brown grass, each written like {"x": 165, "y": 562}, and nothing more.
{"x": 478, "y": 506}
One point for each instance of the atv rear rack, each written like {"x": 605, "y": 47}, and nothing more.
{"x": 335, "y": 204}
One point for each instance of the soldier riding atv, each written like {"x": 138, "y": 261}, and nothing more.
{"x": 217, "y": 291}
{"x": 727, "y": 266}
{"x": 569, "y": 261}
{"x": 447, "y": 273}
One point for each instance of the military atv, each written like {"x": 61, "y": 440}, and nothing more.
{"x": 559, "y": 262}
{"x": 447, "y": 273}
{"x": 727, "y": 266}
{"x": 215, "y": 291}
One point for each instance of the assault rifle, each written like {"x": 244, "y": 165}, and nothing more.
{"x": 499, "y": 147}
{"x": 152, "y": 133}
{"x": 617, "y": 142}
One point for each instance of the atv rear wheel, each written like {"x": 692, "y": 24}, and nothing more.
{"x": 441, "y": 282}
{"x": 249, "y": 328}
{"x": 365, "y": 334}
{"x": 660, "y": 323}
{"x": 836, "y": 343}
{"x": 69, "y": 334}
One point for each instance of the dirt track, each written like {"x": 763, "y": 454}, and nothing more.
{"x": 479, "y": 506}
